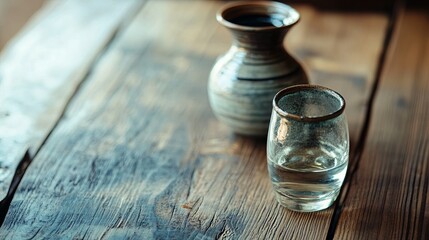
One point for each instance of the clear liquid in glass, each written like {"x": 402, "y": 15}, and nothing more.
{"x": 308, "y": 178}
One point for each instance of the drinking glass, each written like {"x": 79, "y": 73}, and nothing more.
{"x": 307, "y": 147}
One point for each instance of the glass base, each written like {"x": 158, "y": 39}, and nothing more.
{"x": 306, "y": 205}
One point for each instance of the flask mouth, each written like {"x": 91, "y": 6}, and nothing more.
{"x": 308, "y": 103}
{"x": 257, "y": 15}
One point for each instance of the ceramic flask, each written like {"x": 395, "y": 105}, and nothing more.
{"x": 245, "y": 79}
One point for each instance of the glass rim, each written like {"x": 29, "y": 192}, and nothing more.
{"x": 301, "y": 87}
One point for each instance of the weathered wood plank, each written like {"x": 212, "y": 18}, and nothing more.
{"x": 389, "y": 197}
{"x": 340, "y": 51}
{"x": 139, "y": 153}
{"x": 43, "y": 66}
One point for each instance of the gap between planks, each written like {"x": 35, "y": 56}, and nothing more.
{"x": 26, "y": 160}
{"x": 360, "y": 146}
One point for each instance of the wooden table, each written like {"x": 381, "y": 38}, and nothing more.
{"x": 103, "y": 106}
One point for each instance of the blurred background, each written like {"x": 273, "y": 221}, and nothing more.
{"x": 15, "y": 13}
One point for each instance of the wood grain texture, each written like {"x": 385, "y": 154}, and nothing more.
{"x": 42, "y": 67}
{"x": 340, "y": 51}
{"x": 139, "y": 153}
{"x": 389, "y": 197}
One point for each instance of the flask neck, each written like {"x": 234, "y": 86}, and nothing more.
{"x": 269, "y": 41}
